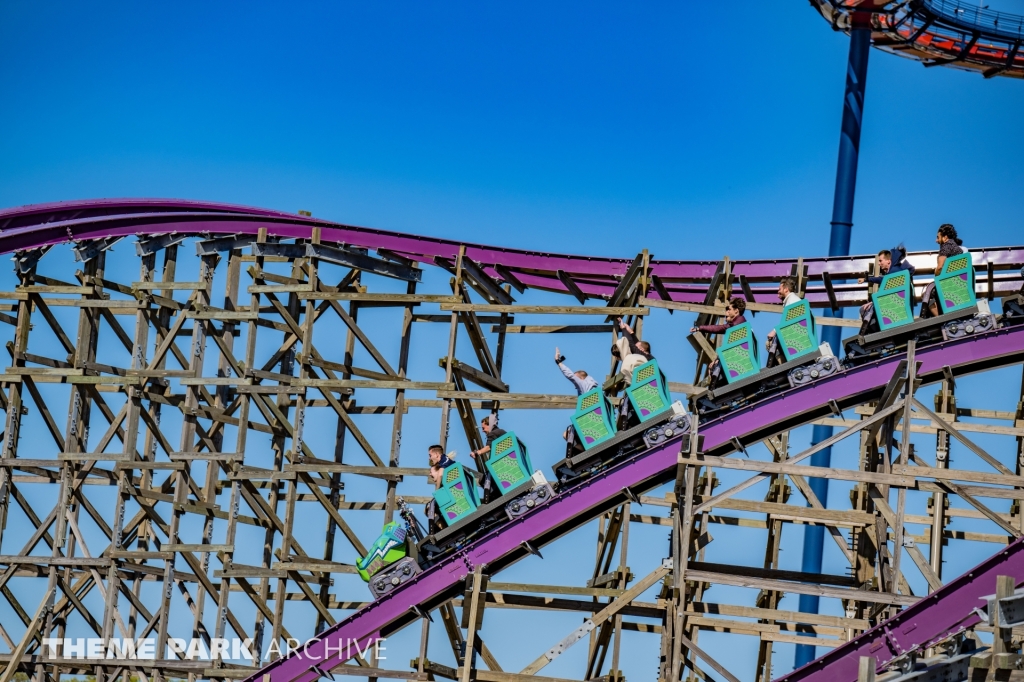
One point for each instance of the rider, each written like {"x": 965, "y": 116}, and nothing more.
{"x": 889, "y": 262}
{"x": 733, "y": 316}
{"x": 492, "y": 432}
{"x": 437, "y": 456}
{"x": 431, "y": 510}
{"x": 631, "y": 352}
{"x": 949, "y": 245}
{"x": 788, "y": 296}
{"x": 581, "y": 381}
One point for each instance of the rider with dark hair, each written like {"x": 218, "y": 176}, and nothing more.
{"x": 889, "y": 262}
{"x": 788, "y": 296}
{"x": 733, "y": 316}
{"x": 492, "y": 432}
{"x": 949, "y": 245}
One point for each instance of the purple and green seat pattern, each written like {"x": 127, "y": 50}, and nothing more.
{"x": 796, "y": 332}
{"x": 738, "y": 354}
{"x": 457, "y": 497}
{"x": 648, "y": 392}
{"x": 894, "y": 301}
{"x": 593, "y": 420}
{"x": 955, "y": 284}
{"x": 509, "y": 462}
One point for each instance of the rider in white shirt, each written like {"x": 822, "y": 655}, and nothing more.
{"x": 788, "y": 296}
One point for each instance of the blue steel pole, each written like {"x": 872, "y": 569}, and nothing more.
{"x": 839, "y": 245}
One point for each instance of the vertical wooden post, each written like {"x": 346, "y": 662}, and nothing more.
{"x": 866, "y": 669}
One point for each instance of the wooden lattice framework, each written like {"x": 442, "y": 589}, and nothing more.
{"x": 204, "y": 375}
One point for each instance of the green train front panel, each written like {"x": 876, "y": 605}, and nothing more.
{"x": 796, "y": 332}
{"x": 738, "y": 354}
{"x": 955, "y": 284}
{"x": 388, "y": 549}
{"x": 593, "y": 419}
{"x": 648, "y": 393}
{"x": 894, "y": 301}
{"x": 457, "y": 497}
{"x": 509, "y": 463}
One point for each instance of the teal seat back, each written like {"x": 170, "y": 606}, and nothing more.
{"x": 509, "y": 463}
{"x": 648, "y": 393}
{"x": 738, "y": 354}
{"x": 955, "y": 284}
{"x": 796, "y": 332}
{"x": 593, "y": 420}
{"x": 894, "y": 300}
{"x": 457, "y": 497}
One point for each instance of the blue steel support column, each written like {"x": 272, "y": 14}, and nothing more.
{"x": 839, "y": 245}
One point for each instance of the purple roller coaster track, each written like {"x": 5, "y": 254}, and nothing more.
{"x": 35, "y": 228}
{"x": 42, "y": 225}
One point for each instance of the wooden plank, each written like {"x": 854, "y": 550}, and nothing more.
{"x": 94, "y": 303}
{"x": 554, "y": 328}
{"x": 391, "y": 385}
{"x": 167, "y": 547}
{"x": 562, "y": 400}
{"x": 331, "y": 467}
{"x": 304, "y": 292}
{"x": 571, "y": 286}
{"x": 472, "y": 374}
{"x": 778, "y": 615}
{"x": 800, "y": 588}
{"x": 45, "y": 371}
{"x": 809, "y": 471}
{"x": 541, "y": 309}
{"x": 801, "y": 639}
{"x": 92, "y": 456}
{"x": 168, "y": 286}
{"x": 297, "y": 564}
{"x": 42, "y": 289}
{"x": 957, "y": 475}
{"x": 685, "y": 389}
{"x": 753, "y": 307}
{"x": 207, "y": 456}
{"x": 223, "y": 315}
{"x": 360, "y": 671}
{"x": 510, "y": 278}
{"x": 527, "y": 588}
{"x": 150, "y": 466}
{"x": 21, "y": 560}
{"x": 800, "y": 513}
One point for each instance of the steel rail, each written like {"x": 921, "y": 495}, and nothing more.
{"x": 32, "y": 227}
{"x": 505, "y": 545}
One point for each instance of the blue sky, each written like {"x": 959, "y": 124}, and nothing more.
{"x": 693, "y": 130}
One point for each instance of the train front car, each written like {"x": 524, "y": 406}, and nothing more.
{"x": 521, "y": 489}
{"x": 960, "y": 313}
{"x": 803, "y": 361}
{"x": 650, "y": 411}
{"x": 387, "y": 563}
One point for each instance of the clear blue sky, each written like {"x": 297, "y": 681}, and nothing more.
{"x": 693, "y": 130}
{"x": 704, "y": 126}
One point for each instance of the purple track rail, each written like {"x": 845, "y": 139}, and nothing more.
{"x": 941, "y": 614}
{"x": 503, "y": 546}
{"x": 28, "y": 227}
